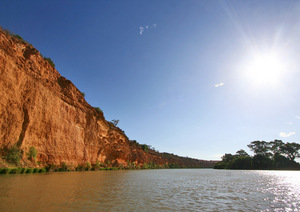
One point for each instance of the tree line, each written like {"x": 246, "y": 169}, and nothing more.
{"x": 267, "y": 155}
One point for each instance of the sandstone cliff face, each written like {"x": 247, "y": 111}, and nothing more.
{"x": 40, "y": 108}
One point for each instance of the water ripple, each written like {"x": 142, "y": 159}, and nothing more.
{"x": 152, "y": 190}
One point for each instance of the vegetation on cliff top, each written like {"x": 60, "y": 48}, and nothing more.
{"x": 267, "y": 155}
{"x": 98, "y": 110}
{"x": 14, "y": 35}
{"x": 50, "y": 61}
{"x": 18, "y": 37}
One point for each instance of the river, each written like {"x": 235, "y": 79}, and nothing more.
{"x": 152, "y": 190}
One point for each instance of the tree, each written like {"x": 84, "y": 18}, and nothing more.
{"x": 260, "y": 161}
{"x": 281, "y": 162}
{"x": 241, "y": 162}
{"x": 275, "y": 146}
{"x": 227, "y": 157}
{"x": 115, "y": 122}
{"x": 242, "y": 152}
{"x": 291, "y": 150}
{"x": 283, "y": 158}
{"x": 260, "y": 148}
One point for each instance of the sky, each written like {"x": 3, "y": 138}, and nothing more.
{"x": 195, "y": 78}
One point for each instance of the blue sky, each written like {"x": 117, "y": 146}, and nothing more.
{"x": 183, "y": 76}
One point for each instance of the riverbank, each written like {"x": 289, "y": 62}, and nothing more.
{"x": 87, "y": 167}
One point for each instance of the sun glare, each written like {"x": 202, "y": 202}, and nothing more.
{"x": 265, "y": 69}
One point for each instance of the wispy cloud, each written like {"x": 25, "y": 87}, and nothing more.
{"x": 285, "y": 135}
{"x": 219, "y": 84}
{"x": 290, "y": 123}
{"x": 297, "y": 117}
{"x": 142, "y": 29}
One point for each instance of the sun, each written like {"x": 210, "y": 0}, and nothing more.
{"x": 265, "y": 69}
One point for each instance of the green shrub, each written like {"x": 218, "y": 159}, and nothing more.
{"x": 145, "y": 166}
{"x": 23, "y": 170}
{"x": 36, "y": 170}
{"x": 15, "y": 35}
{"x": 98, "y": 109}
{"x": 42, "y": 170}
{"x": 16, "y": 170}
{"x": 6, "y": 171}
{"x": 97, "y": 165}
{"x": 145, "y": 147}
{"x": 32, "y": 153}
{"x": 19, "y": 38}
{"x": 80, "y": 167}
{"x": 29, "y": 170}
{"x": 64, "y": 167}
{"x": 52, "y": 167}
{"x": 13, "y": 171}
{"x": 88, "y": 166}
{"x": 50, "y": 61}
{"x": 13, "y": 155}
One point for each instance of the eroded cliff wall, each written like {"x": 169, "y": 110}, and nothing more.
{"x": 40, "y": 108}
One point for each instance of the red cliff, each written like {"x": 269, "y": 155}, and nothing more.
{"x": 40, "y": 108}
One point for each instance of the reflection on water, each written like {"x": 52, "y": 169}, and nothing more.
{"x": 285, "y": 185}
{"x": 152, "y": 190}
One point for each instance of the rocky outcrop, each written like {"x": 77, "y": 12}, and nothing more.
{"x": 40, "y": 108}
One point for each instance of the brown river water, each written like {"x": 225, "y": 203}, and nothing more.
{"x": 152, "y": 190}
